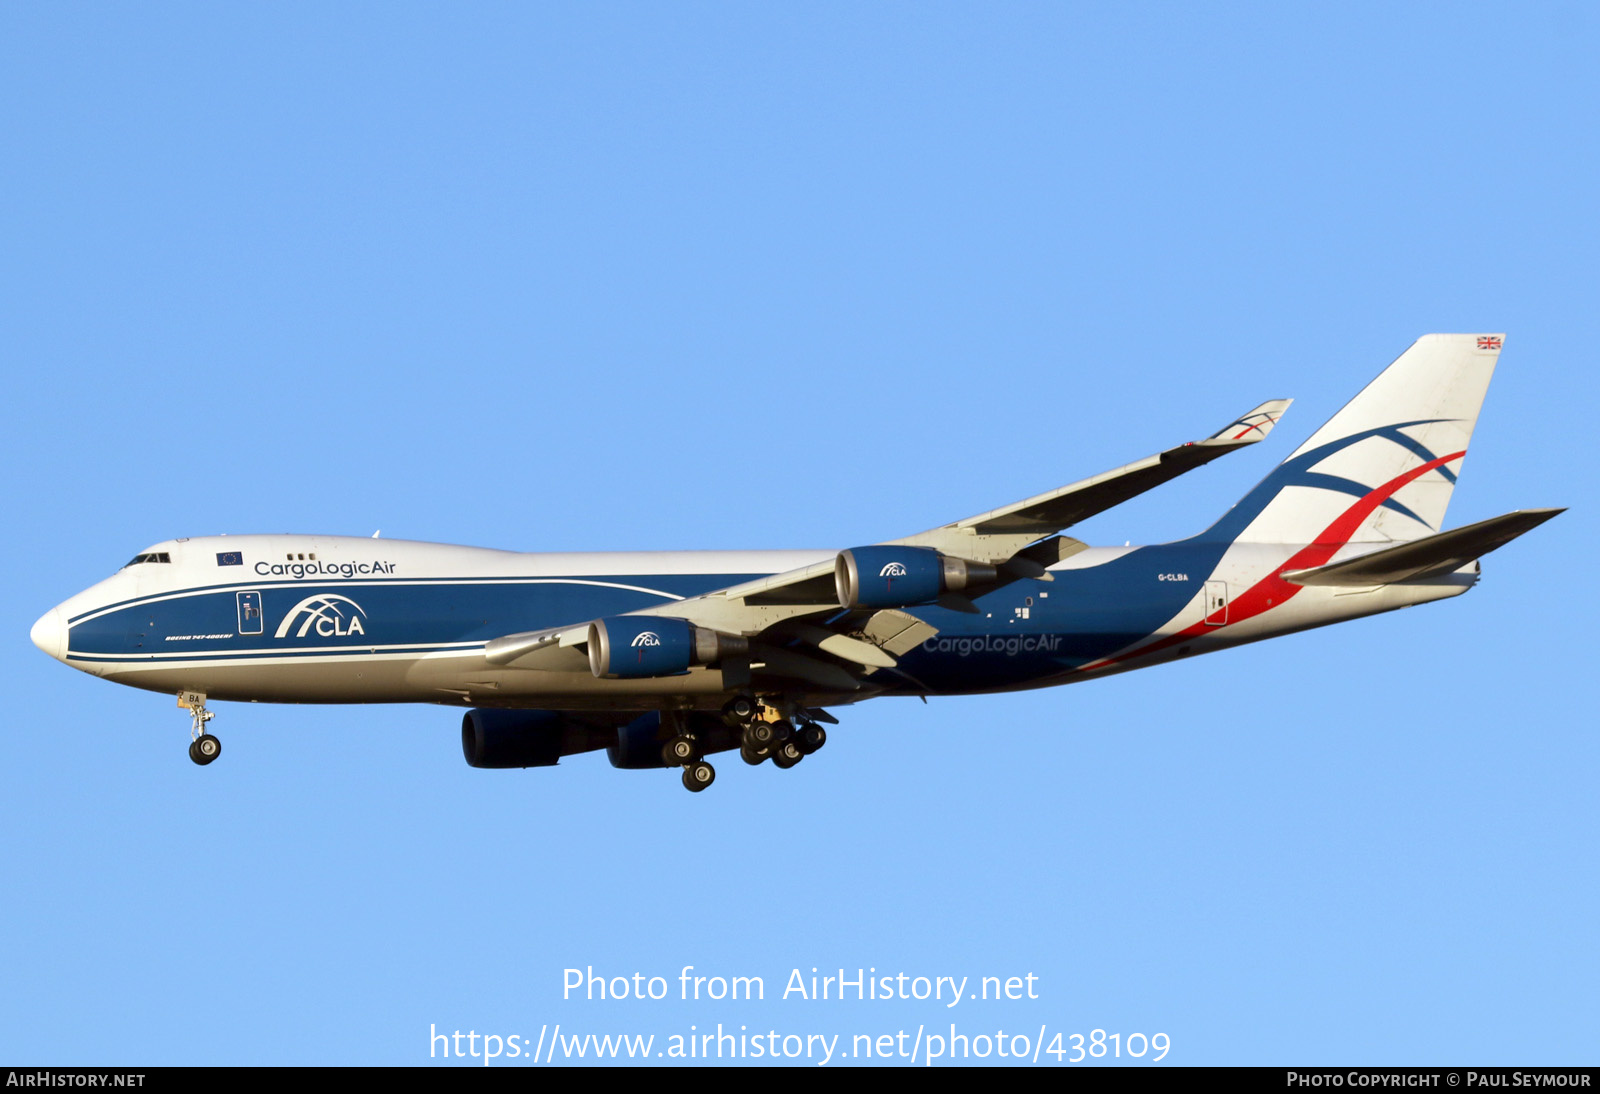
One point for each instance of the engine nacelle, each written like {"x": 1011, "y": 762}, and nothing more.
{"x": 524, "y": 738}
{"x": 897, "y": 577}
{"x": 635, "y": 646}
{"x": 638, "y": 744}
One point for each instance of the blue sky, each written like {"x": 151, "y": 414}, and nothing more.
{"x": 711, "y": 276}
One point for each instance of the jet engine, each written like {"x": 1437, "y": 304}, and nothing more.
{"x": 898, "y": 577}
{"x": 524, "y": 738}
{"x": 638, "y": 744}
{"x": 635, "y": 646}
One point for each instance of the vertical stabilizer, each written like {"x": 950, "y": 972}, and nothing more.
{"x": 1383, "y": 468}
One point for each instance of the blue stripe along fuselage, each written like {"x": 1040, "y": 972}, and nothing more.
{"x": 1084, "y": 614}
{"x": 436, "y": 612}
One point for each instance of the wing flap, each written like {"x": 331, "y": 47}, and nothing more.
{"x": 772, "y": 661}
{"x": 897, "y": 633}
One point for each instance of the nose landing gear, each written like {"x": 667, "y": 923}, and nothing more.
{"x": 203, "y": 747}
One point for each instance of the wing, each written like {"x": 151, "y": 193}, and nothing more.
{"x": 1000, "y": 533}
{"x": 797, "y": 627}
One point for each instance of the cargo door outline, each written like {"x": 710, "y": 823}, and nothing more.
{"x": 250, "y": 615}
{"x": 1216, "y": 605}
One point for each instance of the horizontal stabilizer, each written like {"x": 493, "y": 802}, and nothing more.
{"x": 1428, "y": 557}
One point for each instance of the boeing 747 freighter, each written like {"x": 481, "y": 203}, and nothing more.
{"x": 664, "y": 659}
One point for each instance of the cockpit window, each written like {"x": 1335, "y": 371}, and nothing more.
{"x": 163, "y": 556}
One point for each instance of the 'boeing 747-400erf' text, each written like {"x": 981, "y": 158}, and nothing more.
{"x": 666, "y": 658}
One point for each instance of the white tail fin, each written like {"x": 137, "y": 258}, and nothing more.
{"x": 1383, "y": 468}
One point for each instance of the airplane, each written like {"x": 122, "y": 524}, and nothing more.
{"x": 665, "y": 658}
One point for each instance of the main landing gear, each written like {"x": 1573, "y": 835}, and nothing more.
{"x": 698, "y": 775}
{"x": 203, "y": 747}
{"x": 765, "y": 733}
{"x": 756, "y": 741}
{"x": 771, "y": 728}
{"x": 683, "y": 750}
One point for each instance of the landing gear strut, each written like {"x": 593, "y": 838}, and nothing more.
{"x": 203, "y": 747}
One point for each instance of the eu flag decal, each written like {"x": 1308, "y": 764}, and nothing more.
{"x": 230, "y": 558}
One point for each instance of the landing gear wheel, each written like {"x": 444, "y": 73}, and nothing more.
{"x": 787, "y": 755}
{"x": 205, "y": 749}
{"x": 812, "y": 737}
{"x": 679, "y": 751}
{"x": 698, "y": 775}
{"x": 741, "y": 708}
{"x": 782, "y": 730}
{"x": 753, "y": 757}
{"x": 757, "y": 736}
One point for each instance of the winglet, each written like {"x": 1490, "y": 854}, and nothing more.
{"x": 1252, "y": 427}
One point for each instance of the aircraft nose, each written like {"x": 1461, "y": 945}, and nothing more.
{"x": 50, "y": 633}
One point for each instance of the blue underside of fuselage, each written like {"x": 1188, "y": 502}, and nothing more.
{"x": 1026, "y": 631}
{"x": 1082, "y": 616}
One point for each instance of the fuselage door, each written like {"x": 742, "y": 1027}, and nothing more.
{"x": 1216, "y": 603}
{"x": 249, "y": 613}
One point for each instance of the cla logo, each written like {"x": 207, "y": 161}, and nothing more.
{"x": 323, "y": 613}
{"x": 894, "y": 569}
{"x": 644, "y": 639}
